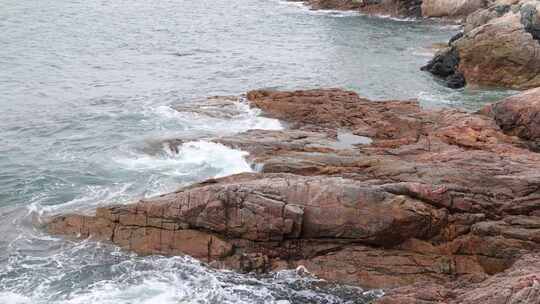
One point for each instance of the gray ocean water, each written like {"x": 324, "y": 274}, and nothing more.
{"x": 87, "y": 96}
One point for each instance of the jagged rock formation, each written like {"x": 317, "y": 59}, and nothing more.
{"x": 441, "y": 198}
{"x": 499, "y": 46}
{"x": 445, "y": 65}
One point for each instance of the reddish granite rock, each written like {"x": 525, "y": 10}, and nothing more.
{"x": 518, "y": 284}
{"x": 518, "y": 115}
{"x": 499, "y": 47}
{"x": 440, "y": 198}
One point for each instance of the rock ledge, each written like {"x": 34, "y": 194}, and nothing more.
{"x": 438, "y": 206}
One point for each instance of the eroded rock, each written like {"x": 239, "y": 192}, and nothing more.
{"x": 519, "y": 115}
{"x": 499, "y": 46}
{"x": 444, "y": 198}
{"x": 518, "y": 284}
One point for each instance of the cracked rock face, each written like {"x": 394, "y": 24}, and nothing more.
{"x": 518, "y": 284}
{"x": 434, "y": 207}
{"x": 500, "y": 46}
{"x": 519, "y": 115}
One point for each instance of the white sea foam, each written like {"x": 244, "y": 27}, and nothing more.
{"x": 243, "y": 118}
{"x": 344, "y": 13}
{"x": 13, "y": 298}
{"x": 202, "y": 157}
{"x": 324, "y": 12}
{"x": 398, "y": 19}
{"x": 166, "y": 280}
{"x": 92, "y": 196}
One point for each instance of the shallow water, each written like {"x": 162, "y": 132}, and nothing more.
{"x": 89, "y": 91}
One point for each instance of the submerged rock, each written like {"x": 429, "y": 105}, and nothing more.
{"x": 440, "y": 198}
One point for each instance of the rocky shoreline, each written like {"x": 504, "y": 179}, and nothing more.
{"x": 499, "y": 45}
{"x": 455, "y": 10}
{"x": 433, "y": 206}
{"x": 430, "y": 205}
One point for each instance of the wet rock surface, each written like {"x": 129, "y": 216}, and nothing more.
{"x": 445, "y": 66}
{"x": 439, "y": 205}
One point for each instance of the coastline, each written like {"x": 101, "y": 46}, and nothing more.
{"x": 424, "y": 203}
{"x": 428, "y": 205}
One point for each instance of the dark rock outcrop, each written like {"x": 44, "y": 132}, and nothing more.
{"x": 530, "y": 19}
{"x": 445, "y": 65}
{"x": 438, "y": 206}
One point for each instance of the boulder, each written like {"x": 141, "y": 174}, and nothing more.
{"x": 518, "y": 115}
{"x": 451, "y": 8}
{"x": 499, "y": 47}
{"x": 445, "y": 65}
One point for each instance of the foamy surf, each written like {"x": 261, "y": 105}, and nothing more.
{"x": 87, "y": 272}
{"x": 216, "y": 116}
{"x": 91, "y": 197}
{"x": 13, "y": 298}
{"x": 326, "y": 12}
{"x": 199, "y": 158}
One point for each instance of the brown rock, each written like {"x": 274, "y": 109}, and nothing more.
{"x": 518, "y": 115}
{"x": 450, "y": 8}
{"x": 440, "y": 198}
{"x": 519, "y": 284}
{"x": 500, "y": 47}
